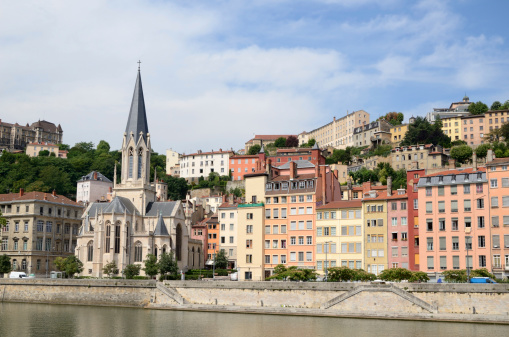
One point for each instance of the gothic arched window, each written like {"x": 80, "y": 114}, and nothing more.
{"x": 90, "y": 251}
{"x": 117, "y": 237}
{"x": 138, "y": 252}
{"x": 178, "y": 245}
{"x": 108, "y": 237}
{"x": 131, "y": 162}
{"x": 140, "y": 156}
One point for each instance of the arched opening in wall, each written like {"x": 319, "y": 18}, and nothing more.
{"x": 199, "y": 257}
{"x": 178, "y": 244}
{"x": 117, "y": 237}
{"x": 140, "y": 161}
{"x": 155, "y": 251}
{"x": 192, "y": 252}
{"x": 131, "y": 162}
{"x": 90, "y": 251}
{"x": 164, "y": 249}
{"x": 127, "y": 240}
{"x": 107, "y": 243}
{"x": 138, "y": 252}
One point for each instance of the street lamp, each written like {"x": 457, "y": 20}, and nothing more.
{"x": 326, "y": 261}
{"x": 467, "y": 244}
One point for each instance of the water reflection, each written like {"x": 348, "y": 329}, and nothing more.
{"x": 37, "y": 320}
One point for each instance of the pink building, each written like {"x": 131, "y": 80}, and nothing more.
{"x": 397, "y": 227}
{"x": 454, "y": 220}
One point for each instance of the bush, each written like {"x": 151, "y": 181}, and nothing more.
{"x": 419, "y": 276}
{"x": 137, "y": 277}
{"x": 132, "y": 270}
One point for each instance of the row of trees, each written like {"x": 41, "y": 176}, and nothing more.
{"x": 47, "y": 173}
{"x": 460, "y": 275}
{"x": 380, "y": 174}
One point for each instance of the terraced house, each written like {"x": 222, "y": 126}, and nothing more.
{"x": 454, "y": 220}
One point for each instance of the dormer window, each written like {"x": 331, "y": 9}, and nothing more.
{"x": 479, "y": 175}
{"x": 428, "y": 180}
{"x": 268, "y": 187}
{"x": 440, "y": 179}
{"x": 466, "y": 176}
{"x": 276, "y": 187}
{"x": 310, "y": 184}
{"x": 453, "y": 177}
{"x": 302, "y": 184}
{"x": 284, "y": 186}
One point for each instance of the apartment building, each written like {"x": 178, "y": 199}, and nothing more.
{"x": 251, "y": 228}
{"x": 397, "y": 225}
{"x": 212, "y": 238}
{"x": 40, "y": 227}
{"x": 374, "y": 209}
{"x": 453, "y": 226}
{"x": 17, "y": 137}
{"x": 172, "y": 162}
{"x": 339, "y": 235}
{"x": 498, "y": 178}
{"x": 201, "y": 164}
{"x": 33, "y": 149}
{"x": 419, "y": 156}
{"x": 377, "y": 132}
{"x": 241, "y": 165}
{"x": 495, "y": 119}
{"x": 452, "y": 126}
{"x": 264, "y": 140}
{"x": 94, "y": 187}
{"x": 398, "y": 133}
{"x": 456, "y": 108}
{"x": 339, "y": 132}
{"x": 199, "y": 231}
{"x": 412, "y": 179}
{"x": 313, "y": 155}
{"x": 228, "y": 224}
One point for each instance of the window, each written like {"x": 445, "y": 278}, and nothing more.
{"x": 249, "y": 229}
{"x": 429, "y": 225}
{"x": 494, "y": 201}
{"x": 283, "y": 213}
{"x": 267, "y": 229}
{"x": 440, "y": 190}
{"x": 249, "y": 243}
{"x": 283, "y": 229}
{"x": 430, "y": 262}
{"x": 467, "y": 206}
{"x": 403, "y": 206}
{"x": 454, "y": 189}
{"x": 249, "y": 258}
{"x": 481, "y": 241}
{"x": 309, "y": 224}
{"x": 480, "y": 222}
{"x": 494, "y": 183}
{"x": 429, "y": 242}
{"x": 455, "y": 262}
{"x": 441, "y": 207}
{"x": 505, "y": 201}
{"x": 90, "y": 251}
{"x": 505, "y": 182}
{"x": 394, "y": 206}
{"x": 293, "y": 211}
{"x": 429, "y": 207}
{"x": 416, "y": 203}
{"x": 480, "y": 203}
{"x": 466, "y": 189}
{"x": 428, "y": 191}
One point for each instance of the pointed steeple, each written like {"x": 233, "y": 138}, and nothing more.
{"x": 160, "y": 229}
{"x": 137, "y": 121}
{"x": 315, "y": 147}
{"x": 262, "y": 149}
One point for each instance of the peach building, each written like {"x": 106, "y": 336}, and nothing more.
{"x": 212, "y": 238}
{"x": 313, "y": 155}
{"x": 498, "y": 177}
{"x": 454, "y": 230}
{"x": 473, "y": 128}
{"x": 241, "y": 165}
{"x": 397, "y": 226}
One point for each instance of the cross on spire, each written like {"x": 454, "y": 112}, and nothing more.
{"x": 139, "y": 63}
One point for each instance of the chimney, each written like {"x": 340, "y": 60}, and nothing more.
{"x": 389, "y": 186}
{"x": 224, "y": 197}
{"x": 21, "y": 192}
{"x": 324, "y": 184}
{"x": 366, "y": 186}
{"x": 333, "y": 179}
{"x": 317, "y": 170}
{"x": 452, "y": 163}
{"x": 489, "y": 156}
{"x": 350, "y": 188}
{"x": 231, "y": 199}
{"x": 45, "y": 196}
{"x": 95, "y": 175}
{"x": 474, "y": 161}
{"x": 293, "y": 169}
{"x": 54, "y": 193}
{"x": 268, "y": 167}
{"x": 111, "y": 189}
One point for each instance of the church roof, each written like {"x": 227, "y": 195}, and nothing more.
{"x": 92, "y": 176}
{"x": 119, "y": 205}
{"x": 161, "y": 208}
{"x": 161, "y": 226}
{"x": 137, "y": 121}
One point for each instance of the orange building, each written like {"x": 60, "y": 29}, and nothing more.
{"x": 212, "y": 238}
{"x": 241, "y": 165}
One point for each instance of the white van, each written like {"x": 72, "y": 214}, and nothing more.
{"x": 18, "y": 274}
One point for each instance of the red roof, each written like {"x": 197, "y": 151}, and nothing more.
{"x": 342, "y": 204}
{"x": 451, "y": 172}
{"x": 38, "y": 196}
{"x": 498, "y": 161}
{"x": 382, "y": 195}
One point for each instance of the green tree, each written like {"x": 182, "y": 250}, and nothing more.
{"x": 151, "y": 268}
{"x": 455, "y": 276}
{"x": 422, "y": 132}
{"x": 110, "y": 269}
{"x": 496, "y": 105}
{"x": 44, "y": 153}
{"x": 477, "y": 108}
{"x": 103, "y": 146}
{"x": 292, "y": 141}
{"x": 461, "y": 153}
{"x": 255, "y": 149}
{"x": 221, "y": 260}
{"x": 237, "y": 192}
{"x": 177, "y": 187}
{"x": 482, "y": 150}
{"x": 394, "y": 118}
{"x": 168, "y": 265}
{"x": 418, "y": 276}
{"x": 132, "y": 270}
{"x": 395, "y": 274}
{"x": 280, "y": 142}
{"x": 5, "y": 264}
{"x": 70, "y": 265}
{"x": 3, "y": 221}
{"x": 63, "y": 147}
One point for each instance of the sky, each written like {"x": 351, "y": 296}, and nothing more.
{"x": 216, "y": 72}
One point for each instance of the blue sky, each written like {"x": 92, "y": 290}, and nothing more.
{"x": 217, "y": 72}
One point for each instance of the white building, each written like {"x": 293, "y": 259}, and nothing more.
{"x": 227, "y": 216}
{"x": 201, "y": 164}
{"x": 172, "y": 160}
{"x": 93, "y": 187}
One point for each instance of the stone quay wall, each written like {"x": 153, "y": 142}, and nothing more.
{"x": 446, "y": 302}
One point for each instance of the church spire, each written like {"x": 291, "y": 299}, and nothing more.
{"x": 137, "y": 121}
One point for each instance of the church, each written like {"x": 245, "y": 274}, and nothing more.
{"x": 138, "y": 220}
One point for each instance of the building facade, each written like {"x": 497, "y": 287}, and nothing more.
{"x": 397, "y": 226}
{"x": 172, "y": 162}
{"x": 16, "y": 137}
{"x": 201, "y": 164}
{"x": 228, "y": 223}
{"x": 40, "y": 227}
{"x": 93, "y": 187}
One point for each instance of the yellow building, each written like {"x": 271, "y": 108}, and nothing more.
{"x": 451, "y": 126}
{"x": 250, "y": 230}
{"x": 374, "y": 209}
{"x": 339, "y": 237}
{"x": 398, "y": 133}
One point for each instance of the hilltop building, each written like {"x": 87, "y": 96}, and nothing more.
{"x": 16, "y": 137}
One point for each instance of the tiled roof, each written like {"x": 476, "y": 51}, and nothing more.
{"x": 240, "y": 156}
{"x": 498, "y": 161}
{"x": 342, "y": 204}
{"x": 44, "y": 144}
{"x": 161, "y": 229}
{"x": 45, "y": 125}
{"x": 90, "y": 176}
{"x": 456, "y": 171}
{"x": 161, "y": 207}
{"x": 11, "y": 197}
{"x": 297, "y": 177}
{"x": 228, "y": 205}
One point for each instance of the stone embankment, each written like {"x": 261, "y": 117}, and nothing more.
{"x": 443, "y": 302}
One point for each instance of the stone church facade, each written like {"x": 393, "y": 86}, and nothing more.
{"x": 136, "y": 222}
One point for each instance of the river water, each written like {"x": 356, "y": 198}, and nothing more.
{"x": 38, "y": 320}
